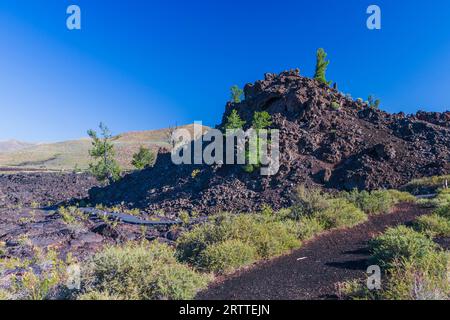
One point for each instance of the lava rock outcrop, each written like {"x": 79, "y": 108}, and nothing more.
{"x": 326, "y": 139}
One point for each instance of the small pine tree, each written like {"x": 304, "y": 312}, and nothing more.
{"x": 234, "y": 121}
{"x": 236, "y": 94}
{"x": 321, "y": 67}
{"x": 373, "y": 102}
{"x": 261, "y": 120}
{"x": 143, "y": 159}
{"x": 104, "y": 167}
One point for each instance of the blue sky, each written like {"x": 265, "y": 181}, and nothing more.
{"x": 147, "y": 64}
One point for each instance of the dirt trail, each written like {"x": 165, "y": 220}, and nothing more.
{"x": 312, "y": 271}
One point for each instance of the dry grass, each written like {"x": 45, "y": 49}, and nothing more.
{"x": 68, "y": 155}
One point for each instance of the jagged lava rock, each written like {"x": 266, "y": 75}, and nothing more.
{"x": 343, "y": 148}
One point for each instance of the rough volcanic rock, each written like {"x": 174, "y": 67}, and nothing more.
{"x": 26, "y": 189}
{"x": 352, "y": 146}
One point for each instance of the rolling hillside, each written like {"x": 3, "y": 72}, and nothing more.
{"x": 13, "y": 145}
{"x": 68, "y": 155}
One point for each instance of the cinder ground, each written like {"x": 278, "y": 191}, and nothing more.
{"x": 312, "y": 271}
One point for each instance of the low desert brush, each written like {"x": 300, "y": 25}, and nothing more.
{"x": 400, "y": 243}
{"x": 140, "y": 271}
{"x": 340, "y": 213}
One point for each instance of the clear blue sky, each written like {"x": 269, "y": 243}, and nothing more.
{"x": 147, "y": 64}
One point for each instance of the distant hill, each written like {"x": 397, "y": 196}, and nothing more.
{"x": 68, "y": 155}
{"x": 14, "y": 145}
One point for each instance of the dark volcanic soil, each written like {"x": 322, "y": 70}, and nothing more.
{"x": 352, "y": 146}
{"x": 42, "y": 189}
{"x": 312, "y": 271}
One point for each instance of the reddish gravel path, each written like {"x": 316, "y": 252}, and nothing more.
{"x": 331, "y": 258}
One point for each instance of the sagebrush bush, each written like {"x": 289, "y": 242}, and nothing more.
{"x": 444, "y": 212}
{"x": 340, "y": 213}
{"x": 268, "y": 236}
{"x": 400, "y": 242}
{"x": 308, "y": 201}
{"x": 308, "y": 227}
{"x": 406, "y": 279}
{"x": 418, "y": 279}
{"x": 227, "y": 256}
{"x": 375, "y": 202}
{"x": 433, "y": 225}
{"x": 40, "y": 278}
{"x": 443, "y": 198}
{"x": 142, "y": 272}
{"x": 335, "y": 105}
{"x": 401, "y": 196}
{"x": 430, "y": 184}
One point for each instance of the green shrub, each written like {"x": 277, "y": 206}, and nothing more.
{"x": 268, "y": 236}
{"x": 234, "y": 121}
{"x": 340, "y": 213}
{"x": 444, "y": 211}
{"x": 308, "y": 201}
{"x": 236, "y": 94}
{"x": 401, "y": 196}
{"x": 434, "y": 225}
{"x": 225, "y": 257}
{"x": 40, "y": 278}
{"x": 373, "y": 102}
{"x": 429, "y": 184}
{"x": 308, "y": 227}
{"x": 400, "y": 242}
{"x": 427, "y": 203}
{"x": 379, "y": 201}
{"x": 419, "y": 279}
{"x": 144, "y": 158}
{"x": 443, "y": 197}
{"x": 105, "y": 167}
{"x": 142, "y": 272}
{"x": 335, "y": 105}
{"x": 406, "y": 279}
{"x": 375, "y": 202}
{"x": 248, "y": 168}
{"x": 191, "y": 244}
{"x": 274, "y": 239}
{"x": 321, "y": 67}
